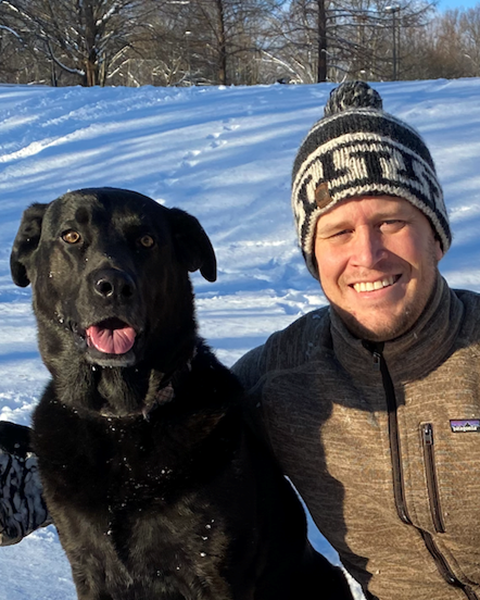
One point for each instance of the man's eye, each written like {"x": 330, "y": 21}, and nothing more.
{"x": 392, "y": 225}
{"x": 340, "y": 234}
{"x": 71, "y": 236}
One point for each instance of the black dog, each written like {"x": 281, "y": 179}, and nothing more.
{"x": 156, "y": 486}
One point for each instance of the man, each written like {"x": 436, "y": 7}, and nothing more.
{"x": 372, "y": 405}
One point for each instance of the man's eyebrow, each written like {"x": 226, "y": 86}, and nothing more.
{"x": 325, "y": 229}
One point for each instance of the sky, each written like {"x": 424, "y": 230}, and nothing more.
{"x": 224, "y": 155}
{"x": 444, "y": 5}
{"x": 451, "y": 4}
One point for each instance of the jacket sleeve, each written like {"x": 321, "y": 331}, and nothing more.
{"x": 252, "y": 370}
{"x": 22, "y": 508}
{"x": 251, "y": 367}
{"x": 284, "y": 349}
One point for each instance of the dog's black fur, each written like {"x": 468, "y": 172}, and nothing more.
{"x": 156, "y": 486}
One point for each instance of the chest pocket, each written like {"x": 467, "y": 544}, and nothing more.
{"x": 451, "y": 458}
{"x": 454, "y": 456}
{"x": 428, "y": 444}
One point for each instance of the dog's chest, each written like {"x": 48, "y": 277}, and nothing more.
{"x": 99, "y": 466}
{"x": 104, "y": 462}
{"x": 130, "y": 498}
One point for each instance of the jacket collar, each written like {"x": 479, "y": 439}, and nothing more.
{"x": 415, "y": 353}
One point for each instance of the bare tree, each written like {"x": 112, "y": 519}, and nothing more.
{"x": 470, "y": 34}
{"x": 224, "y": 37}
{"x": 319, "y": 40}
{"x": 450, "y": 46}
{"x": 84, "y": 38}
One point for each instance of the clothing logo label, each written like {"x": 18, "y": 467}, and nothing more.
{"x": 465, "y": 425}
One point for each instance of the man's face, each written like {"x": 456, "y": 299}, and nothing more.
{"x": 377, "y": 260}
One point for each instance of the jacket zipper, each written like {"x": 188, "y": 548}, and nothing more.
{"x": 444, "y": 568}
{"x": 398, "y": 488}
{"x": 376, "y": 350}
{"x": 432, "y": 484}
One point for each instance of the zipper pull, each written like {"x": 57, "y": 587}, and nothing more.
{"x": 375, "y": 349}
{"x": 428, "y": 434}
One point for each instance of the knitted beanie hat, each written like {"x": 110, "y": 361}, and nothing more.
{"x": 358, "y": 149}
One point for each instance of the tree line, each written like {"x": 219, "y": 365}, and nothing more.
{"x": 239, "y": 42}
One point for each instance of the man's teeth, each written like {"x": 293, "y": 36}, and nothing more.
{"x": 370, "y": 286}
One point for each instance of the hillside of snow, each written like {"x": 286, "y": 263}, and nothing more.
{"x": 225, "y": 155}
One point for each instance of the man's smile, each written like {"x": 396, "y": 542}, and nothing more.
{"x": 370, "y": 286}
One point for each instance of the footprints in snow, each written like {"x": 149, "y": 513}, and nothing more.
{"x": 214, "y": 140}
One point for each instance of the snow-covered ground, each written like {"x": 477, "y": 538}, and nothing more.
{"x": 225, "y": 155}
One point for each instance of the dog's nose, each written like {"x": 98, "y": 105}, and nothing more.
{"x": 114, "y": 284}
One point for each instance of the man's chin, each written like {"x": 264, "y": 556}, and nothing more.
{"x": 375, "y": 327}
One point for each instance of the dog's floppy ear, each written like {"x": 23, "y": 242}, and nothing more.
{"x": 26, "y": 241}
{"x": 192, "y": 244}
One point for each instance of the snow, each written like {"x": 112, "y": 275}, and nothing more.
{"x": 225, "y": 155}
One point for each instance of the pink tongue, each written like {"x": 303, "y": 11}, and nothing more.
{"x": 111, "y": 341}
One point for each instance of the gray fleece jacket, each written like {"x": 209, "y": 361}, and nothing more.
{"x": 382, "y": 442}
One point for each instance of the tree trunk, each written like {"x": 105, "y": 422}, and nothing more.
{"x": 91, "y": 73}
{"x": 91, "y": 61}
{"x": 322, "y": 42}
{"x": 222, "y": 43}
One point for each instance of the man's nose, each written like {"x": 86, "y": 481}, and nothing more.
{"x": 368, "y": 247}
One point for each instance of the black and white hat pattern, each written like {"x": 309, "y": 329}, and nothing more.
{"x": 358, "y": 149}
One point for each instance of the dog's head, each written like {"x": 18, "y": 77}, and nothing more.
{"x": 109, "y": 271}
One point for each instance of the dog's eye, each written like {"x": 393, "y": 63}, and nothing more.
{"x": 71, "y": 236}
{"x": 147, "y": 241}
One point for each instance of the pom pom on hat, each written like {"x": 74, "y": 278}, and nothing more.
{"x": 352, "y": 94}
{"x": 357, "y": 149}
